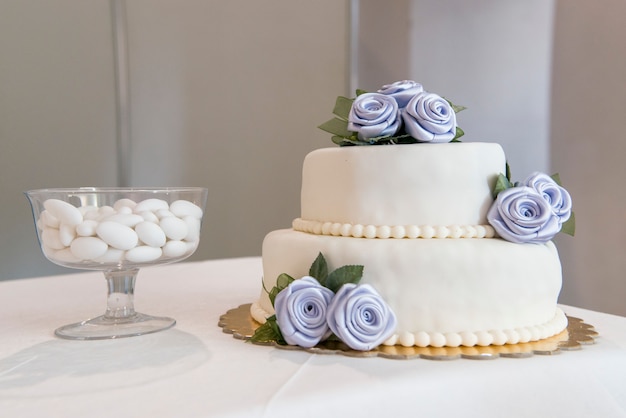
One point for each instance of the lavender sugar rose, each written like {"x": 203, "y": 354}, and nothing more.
{"x": 360, "y": 317}
{"x": 429, "y": 118}
{"x": 373, "y": 115}
{"x": 301, "y": 312}
{"x": 403, "y": 91}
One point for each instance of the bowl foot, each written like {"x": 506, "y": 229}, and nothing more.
{"x": 103, "y": 327}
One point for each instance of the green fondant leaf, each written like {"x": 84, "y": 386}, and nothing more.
{"x": 263, "y": 334}
{"x": 569, "y": 227}
{"x": 502, "y": 183}
{"x": 336, "y": 126}
{"x": 349, "y": 141}
{"x": 340, "y": 140}
{"x": 343, "y": 275}
{"x": 459, "y": 133}
{"x": 508, "y": 172}
{"x": 379, "y": 140}
{"x": 272, "y": 294}
{"x": 557, "y": 179}
{"x": 274, "y": 325}
{"x": 360, "y": 92}
{"x": 319, "y": 269}
{"x": 282, "y": 282}
{"x": 342, "y": 107}
{"x": 454, "y": 107}
{"x": 268, "y": 332}
{"x": 402, "y": 139}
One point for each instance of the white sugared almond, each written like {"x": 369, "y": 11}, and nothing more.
{"x": 127, "y": 231}
{"x": 117, "y": 235}
{"x": 65, "y": 212}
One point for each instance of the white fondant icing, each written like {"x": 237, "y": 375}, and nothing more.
{"x": 418, "y": 184}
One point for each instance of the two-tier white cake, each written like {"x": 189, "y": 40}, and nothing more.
{"x": 415, "y": 217}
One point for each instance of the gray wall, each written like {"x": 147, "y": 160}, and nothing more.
{"x": 492, "y": 56}
{"x": 224, "y": 94}
{"x": 589, "y": 146}
{"x": 57, "y": 113}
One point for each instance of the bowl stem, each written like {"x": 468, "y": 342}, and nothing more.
{"x": 121, "y": 293}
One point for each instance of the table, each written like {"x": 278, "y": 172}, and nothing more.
{"x": 196, "y": 370}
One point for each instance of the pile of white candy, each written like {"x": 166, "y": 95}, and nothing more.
{"x": 140, "y": 232}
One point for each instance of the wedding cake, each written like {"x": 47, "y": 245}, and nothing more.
{"x": 408, "y": 236}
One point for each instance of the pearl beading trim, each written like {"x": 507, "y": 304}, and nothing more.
{"x": 394, "y": 232}
{"x": 465, "y": 338}
{"x": 482, "y": 338}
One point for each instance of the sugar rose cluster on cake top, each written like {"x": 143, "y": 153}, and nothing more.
{"x": 402, "y": 112}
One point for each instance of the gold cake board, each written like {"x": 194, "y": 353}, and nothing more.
{"x": 240, "y": 324}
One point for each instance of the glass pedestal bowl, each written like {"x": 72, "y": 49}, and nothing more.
{"x": 117, "y": 231}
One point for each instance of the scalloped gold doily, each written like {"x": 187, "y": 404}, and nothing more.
{"x": 240, "y": 324}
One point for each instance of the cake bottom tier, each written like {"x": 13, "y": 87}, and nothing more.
{"x": 444, "y": 292}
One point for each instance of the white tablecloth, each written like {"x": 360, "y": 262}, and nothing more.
{"x": 196, "y": 370}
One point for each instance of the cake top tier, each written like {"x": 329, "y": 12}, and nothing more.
{"x": 435, "y": 184}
